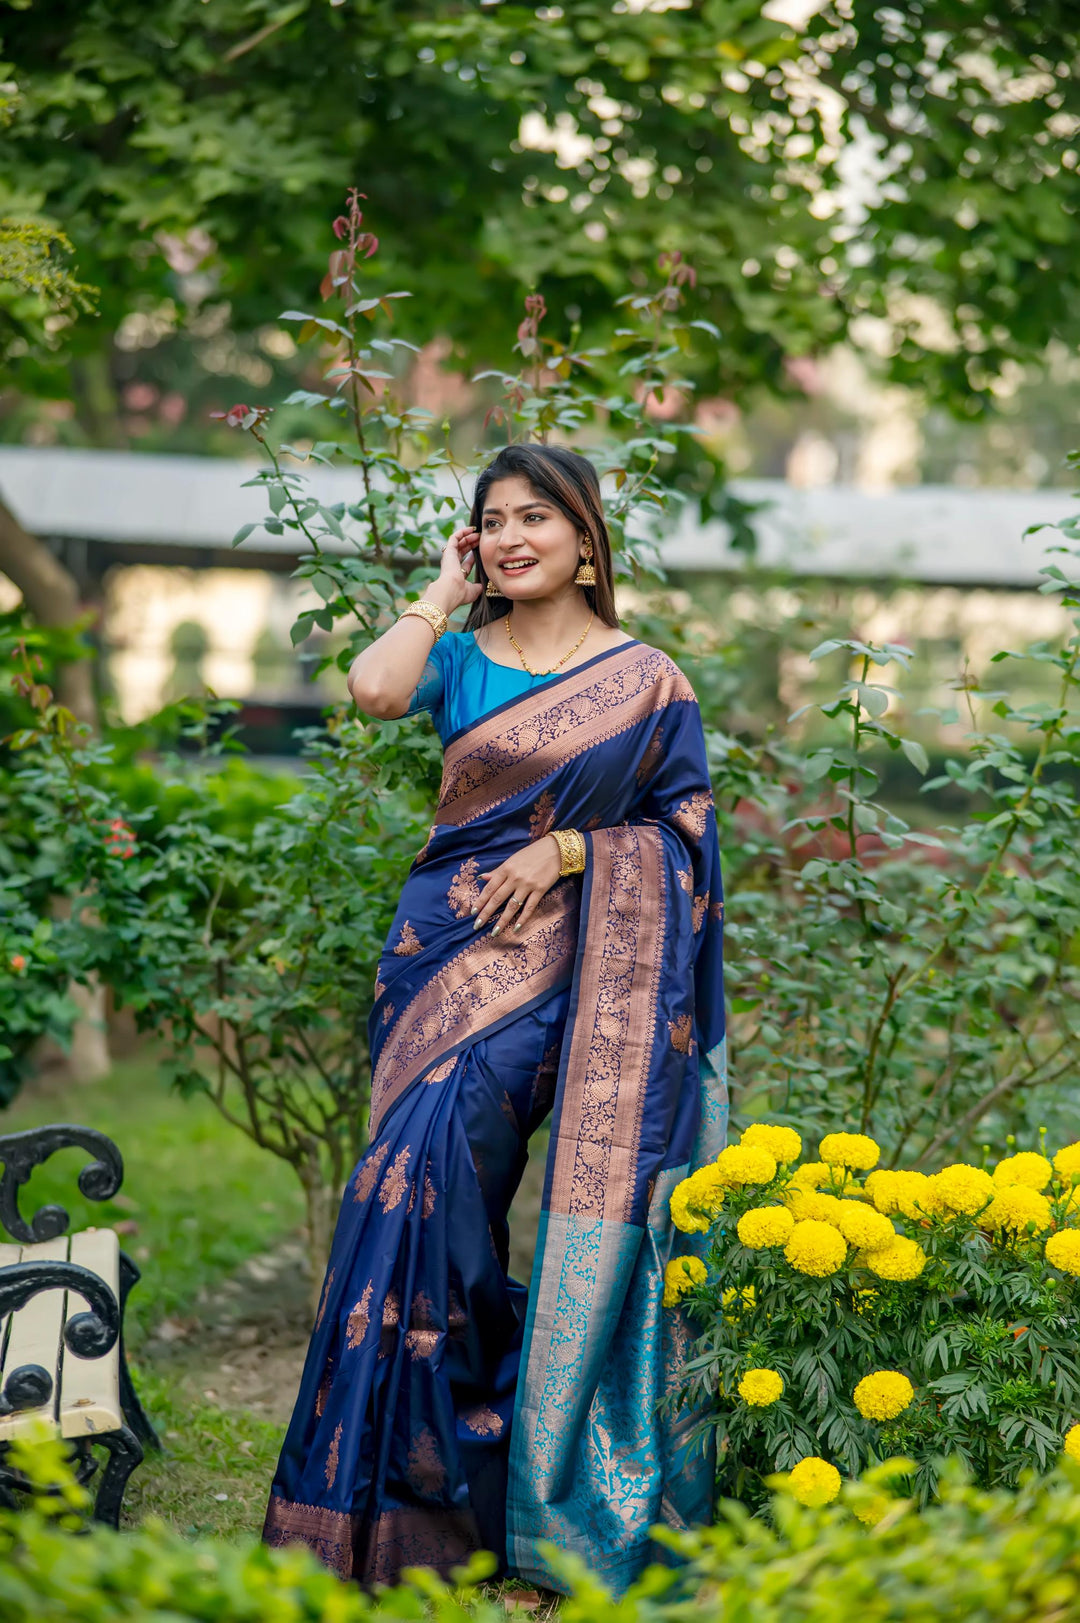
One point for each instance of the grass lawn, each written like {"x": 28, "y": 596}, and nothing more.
{"x": 198, "y": 1198}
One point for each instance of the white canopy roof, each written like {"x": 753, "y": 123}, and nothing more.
{"x": 932, "y": 533}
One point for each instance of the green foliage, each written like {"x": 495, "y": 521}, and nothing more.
{"x": 252, "y": 954}
{"x": 36, "y": 282}
{"x": 966, "y": 1307}
{"x": 920, "y": 985}
{"x": 977, "y": 1554}
{"x": 191, "y": 151}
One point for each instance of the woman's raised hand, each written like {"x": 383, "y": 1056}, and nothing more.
{"x": 518, "y": 885}
{"x": 453, "y": 587}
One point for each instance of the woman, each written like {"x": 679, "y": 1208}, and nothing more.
{"x": 557, "y": 947}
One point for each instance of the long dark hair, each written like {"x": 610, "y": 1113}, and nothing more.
{"x": 570, "y": 483}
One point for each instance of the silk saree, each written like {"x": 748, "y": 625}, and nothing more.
{"x": 442, "y": 1409}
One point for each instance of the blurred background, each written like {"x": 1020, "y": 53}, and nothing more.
{"x": 878, "y": 205}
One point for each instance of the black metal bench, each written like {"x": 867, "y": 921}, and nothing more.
{"x": 62, "y": 1300}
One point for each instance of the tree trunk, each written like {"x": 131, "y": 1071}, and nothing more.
{"x": 321, "y": 1202}
{"x": 51, "y": 593}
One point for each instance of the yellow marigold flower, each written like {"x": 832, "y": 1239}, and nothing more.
{"x": 810, "y": 1205}
{"x": 815, "y": 1248}
{"x": 904, "y": 1259}
{"x": 760, "y": 1387}
{"x": 1019, "y": 1209}
{"x": 1027, "y": 1168}
{"x": 1063, "y": 1251}
{"x": 1067, "y": 1162}
{"x": 814, "y": 1481}
{"x": 962, "y": 1190}
{"x": 685, "y": 1216}
{"x": 861, "y": 1226}
{"x": 762, "y": 1226}
{"x": 743, "y": 1164}
{"x": 870, "y": 1511}
{"x": 811, "y": 1175}
{"x": 1072, "y": 1442}
{"x": 782, "y": 1143}
{"x": 708, "y": 1189}
{"x": 680, "y": 1276}
{"x": 903, "y": 1193}
{"x": 736, "y": 1302}
{"x": 883, "y": 1395}
{"x": 852, "y": 1150}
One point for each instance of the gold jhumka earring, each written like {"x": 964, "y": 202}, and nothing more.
{"x": 586, "y": 574}
{"x": 491, "y": 590}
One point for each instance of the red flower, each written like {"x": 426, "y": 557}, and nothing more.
{"x": 18, "y": 963}
{"x": 242, "y": 416}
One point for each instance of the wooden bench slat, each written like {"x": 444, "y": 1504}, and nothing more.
{"x": 8, "y": 1255}
{"x": 35, "y": 1339}
{"x": 90, "y": 1387}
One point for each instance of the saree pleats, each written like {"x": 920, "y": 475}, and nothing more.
{"x": 435, "y": 1414}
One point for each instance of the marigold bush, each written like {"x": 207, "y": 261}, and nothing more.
{"x": 903, "y": 1314}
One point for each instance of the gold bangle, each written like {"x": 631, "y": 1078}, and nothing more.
{"x": 571, "y": 851}
{"x": 431, "y": 612}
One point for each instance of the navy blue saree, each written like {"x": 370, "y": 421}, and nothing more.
{"x": 441, "y": 1410}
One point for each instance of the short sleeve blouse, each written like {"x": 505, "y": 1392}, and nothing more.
{"x": 459, "y": 684}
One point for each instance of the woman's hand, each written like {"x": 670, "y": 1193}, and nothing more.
{"x": 453, "y": 587}
{"x": 518, "y": 885}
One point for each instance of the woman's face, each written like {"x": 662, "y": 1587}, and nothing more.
{"x": 528, "y": 546}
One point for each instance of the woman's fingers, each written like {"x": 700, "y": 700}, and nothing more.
{"x": 515, "y": 907}
{"x": 498, "y": 888}
{"x": 524, "y": 913}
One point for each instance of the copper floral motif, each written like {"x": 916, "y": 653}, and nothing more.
{"x": 650, "y": 759}
{"x": 483, "y": 1421}
{"x": 682, "y": 1034}
{"x": 325, "y": 1296}
{"x": 333, "y": 1456}
{"x": 426, "y": 1471}
{"x": 393, "y": 1186}
{"x": 701, "y": 907}
{"x": 367, "y": 1175}
{"x": 693, "y": 814}
{"x": 542, "y": 819}
{"x": 408, "y": 942}
{"x": 464, "y": 891}
{"x": 356, "y": 1327}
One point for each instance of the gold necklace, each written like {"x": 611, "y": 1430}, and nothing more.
{"x": 570, "y": 652}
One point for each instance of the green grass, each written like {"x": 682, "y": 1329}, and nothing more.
{"x": 202, "y": 1197}
{"x": 214, "y": 1475}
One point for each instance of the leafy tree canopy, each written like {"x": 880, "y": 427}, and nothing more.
{"x": 881, "y": 166}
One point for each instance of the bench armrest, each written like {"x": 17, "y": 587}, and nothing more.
{"x": 20, "y": 1153}
{"x": 87, "y": 1335}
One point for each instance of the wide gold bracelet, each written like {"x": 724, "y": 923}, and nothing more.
{"x": 571, "y": 850}
{"x": 431, "y": 612}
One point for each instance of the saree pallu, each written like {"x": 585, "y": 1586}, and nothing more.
{"x": 438, "y": 1413}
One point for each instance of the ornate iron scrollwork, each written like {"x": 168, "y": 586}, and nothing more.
{"x": 87, "y": 1335}
{"x": 20, "y": 1153}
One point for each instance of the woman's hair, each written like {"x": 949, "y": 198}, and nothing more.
{"x": 570, "y": 483}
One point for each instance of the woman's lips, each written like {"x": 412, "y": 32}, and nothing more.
{"x": 518, "y": 566}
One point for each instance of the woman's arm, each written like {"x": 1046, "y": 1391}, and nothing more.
{"x": 384, "y": 677}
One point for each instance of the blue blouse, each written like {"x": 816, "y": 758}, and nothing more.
{"x": 459, "y": 684}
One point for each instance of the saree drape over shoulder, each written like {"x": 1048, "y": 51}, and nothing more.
{"x": 439, "y": 1412}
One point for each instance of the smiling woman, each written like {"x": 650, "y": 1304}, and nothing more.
{"x": 439, "y": 1411}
